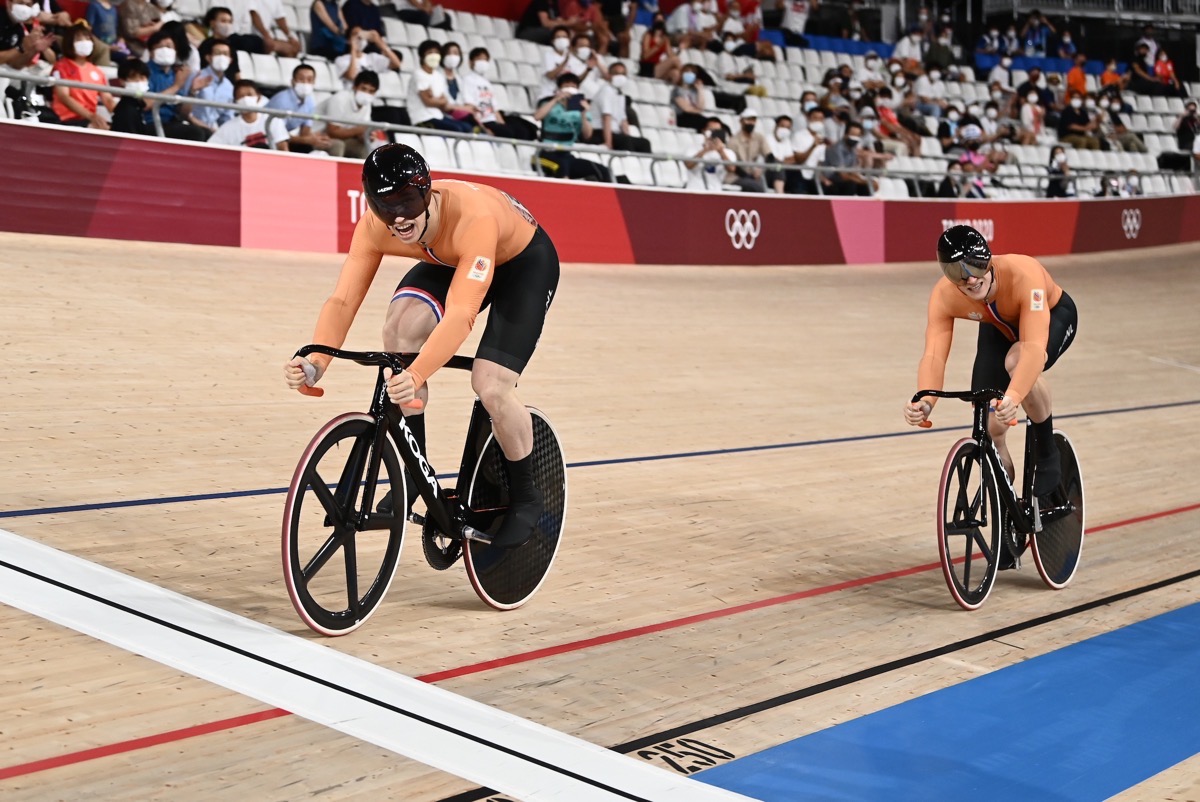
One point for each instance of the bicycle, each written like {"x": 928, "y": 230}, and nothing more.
{"x": 344, "y": 520}
{"x": 980, "y": 517}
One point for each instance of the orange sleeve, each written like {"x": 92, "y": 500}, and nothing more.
{"x": 472, "y": 278}
{"x": 1034, "y": 327}
{"x": 358, "y": 271}
{"x": 939, "y": 334}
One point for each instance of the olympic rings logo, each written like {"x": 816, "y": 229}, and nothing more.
{"x": 743, "y": 227}
{"x": 1131, "y": 222}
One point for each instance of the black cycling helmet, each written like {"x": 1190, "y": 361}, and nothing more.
{"x": 963, "y": 252}
{"x": 396, "y": 180}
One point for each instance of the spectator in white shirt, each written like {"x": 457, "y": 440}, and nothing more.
{"x": 931, "y": 94}
{"x": 808, "y": 145}
{"x": 358, "y": 58}
{"x": 271, "y": 18}
{"x": 429, "y": 103}
{"x": 710, "y": 164}
{"x": 477, "y": 91}
{"x": 350, "y": 105}
{"x": 610, "y": 119}
{"x": 782, "y": 152}
{"x": 555, "y": 62}
{"x": 251, "y": 128}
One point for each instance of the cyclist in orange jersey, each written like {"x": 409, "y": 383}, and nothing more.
{"x": 479, "y": 247}
{"x": 1027, "y": 322}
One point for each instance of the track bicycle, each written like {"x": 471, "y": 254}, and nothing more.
{"x": 340, "y": 551}
{"x": 981, "y": 518}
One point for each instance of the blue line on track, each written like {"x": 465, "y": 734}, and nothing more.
{"x": 1084, "y": 722}
{"x": 270, "y": 491}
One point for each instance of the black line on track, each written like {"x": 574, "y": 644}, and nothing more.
{"x": 321, "y": 681}
{"x": 715, "y": 452}
{"x": 684, "y": 730}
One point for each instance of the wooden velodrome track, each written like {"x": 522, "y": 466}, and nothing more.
{"x": 145, "y": 371}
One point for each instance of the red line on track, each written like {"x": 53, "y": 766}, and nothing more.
{"x": 524, "y": 657}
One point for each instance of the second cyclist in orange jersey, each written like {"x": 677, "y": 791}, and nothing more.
{"x": 479, "y": 248}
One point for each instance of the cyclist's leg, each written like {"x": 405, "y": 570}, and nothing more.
{"x": 522, "y": 290}
{"x": 1038, "y": 403}
{"x": 989, "y": 374}
{"x": 417, "y": 305}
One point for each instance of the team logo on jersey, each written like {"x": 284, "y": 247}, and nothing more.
{"x": 1037, "y": 300}
{"x": 975, "y": 315}
{"x": 479, "y": 270}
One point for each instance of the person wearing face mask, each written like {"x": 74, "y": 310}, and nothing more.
{"x": 931, "y": 94}
{"x": 585, "y": 63}
{"x": 940, "y": 54}
{"x": 749, "y": 146}
{"x": 477, "y": 91}
{"x": 1112, "y": 78}
{"x": 1077, "y": 76}
{"x": 910, "y": 50}
{"x": 365, "y": 15}
{"x": 891, "y": 133}
{"x": 555, "y": 61}
{"x": 1164, "y": 72}
{"x": 1061, "y": 183}
{"x": 1077, "y": 127}
{"x": 462, "y": 109}
{"x": 1026, "y": 323}
{"x": 843, "y": 177}
{"x": 1034, "y": 84}
{"x": 1066, "y": 46}
{"x": 251, "y": 128}
{"x": 129, "y": 115}
{"x": 354, "y": 106}
{"x": 610, "y": 114}
{"x": 990, "y": 43}
{"x": 808, "y": 145}
{"x": 429, "y": 103}
{"x": 368, "y": 51}
{"x": 80, "y": 107}
{"x": 1036, "y": 34}
{"x": 953, "y": 184}
{"x": 1112, "y": 127}
{"x": 691, "y": 25}
{"x": 212, "y": 83}
{"x": 872, "y": 76}
{"x": 658, "y": 58}
{"x": 1187, "y": 128}
{"x": 1012, "y": 42}
{"x": 688, "y": 101}
{"x": 564, "y": 118}
{"x": 1001, "y": 74}
{"x": 298, "y": 97}
{"x": 169, "y": 78}
{"x": 778, "y": 180}
{"x": 1033, "y": 116}
{"x": 590, "y": 21}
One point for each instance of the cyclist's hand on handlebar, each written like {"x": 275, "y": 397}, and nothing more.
{"x": 401, "y": 389}
{"x": 917, "y": 413}
{"x": 1006, "y": 411}
{"x": 300, "y": 374}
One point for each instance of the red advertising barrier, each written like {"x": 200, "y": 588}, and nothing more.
{"x": 88, "y": 183}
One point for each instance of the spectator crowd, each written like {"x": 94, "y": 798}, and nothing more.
{"x": 856, "y": 120}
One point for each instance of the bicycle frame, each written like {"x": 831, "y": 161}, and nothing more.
{"x": 445, "y": 508}
{"x": 1026, "y": 517}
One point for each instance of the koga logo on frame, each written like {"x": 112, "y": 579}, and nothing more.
{"x": 1131, "y": 222}
{"x": 985, "y": 226}
{"x": 743, "y": 227}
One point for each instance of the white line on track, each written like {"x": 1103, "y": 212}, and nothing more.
{"x": 420, "y": 721}
{"x": 1174, "y": 364}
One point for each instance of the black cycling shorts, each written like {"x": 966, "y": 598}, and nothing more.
{"x": 993, "y": 347}
{"x": 520, "y": 295}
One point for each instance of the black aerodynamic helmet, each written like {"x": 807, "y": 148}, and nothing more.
{"x": 963, "y": 252}
{"x": 396, "y": 180}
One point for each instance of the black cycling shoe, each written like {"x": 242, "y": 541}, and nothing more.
{"x": 385, "y": 506}
{"x": 519, "y": 521}
{"x": 1047, "y": 475}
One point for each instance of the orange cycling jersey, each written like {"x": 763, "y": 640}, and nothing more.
{"x": 1024, "y": 296}
{"x": 479, "y": 227}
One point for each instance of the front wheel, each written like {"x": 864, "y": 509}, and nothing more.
{"x": 969, "y": 524}
{"x": 339, "y": 555}
{"x": 1057, "y": 547}
{"x": 507, "y": 578}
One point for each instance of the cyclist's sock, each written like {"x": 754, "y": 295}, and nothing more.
{"x": 1049, "y": 469}
{"x": 524, "y": 504}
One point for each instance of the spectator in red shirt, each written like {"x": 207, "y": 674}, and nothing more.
{"x": 76, "y": 106}
{"x": 1164, "y": 72}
